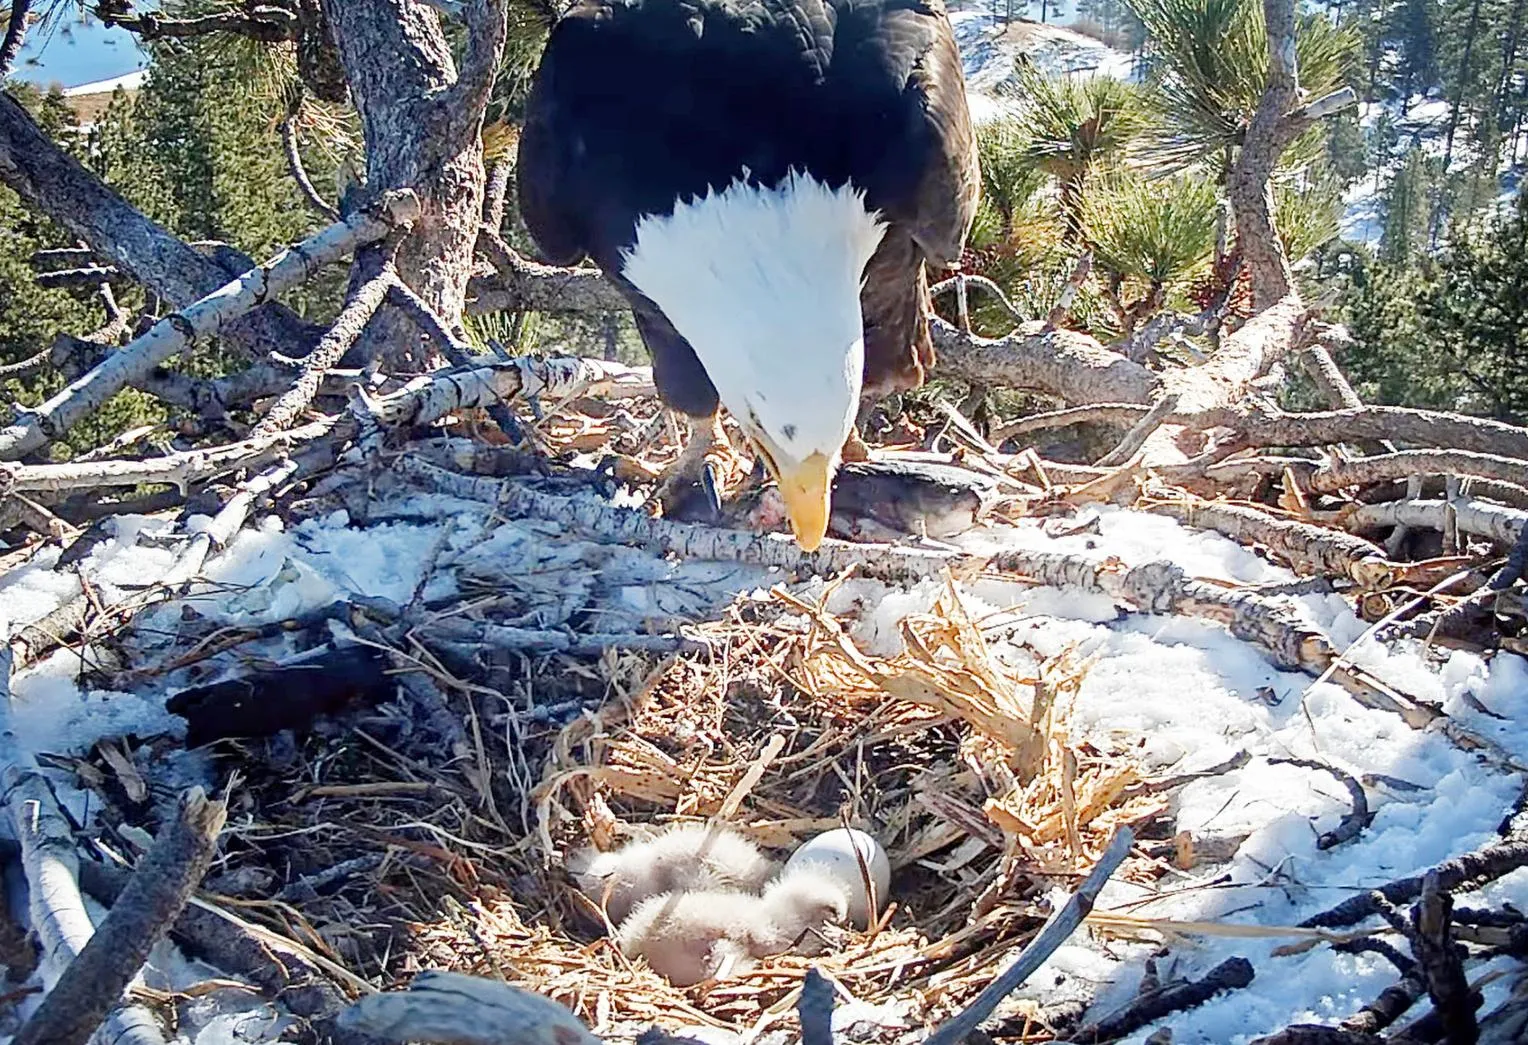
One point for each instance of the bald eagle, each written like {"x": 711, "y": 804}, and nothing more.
{"x": 766, "y": 182}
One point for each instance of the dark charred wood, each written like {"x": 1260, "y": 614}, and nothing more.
{"x": 1231, "y": 974}
{"x": 288, "y": 696}
{"x": 1461, "y": 874}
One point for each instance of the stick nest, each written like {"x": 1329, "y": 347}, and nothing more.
{"x": 960, "y": 761}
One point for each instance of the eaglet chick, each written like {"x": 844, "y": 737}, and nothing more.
{"x": 684, "y": 858}
{"x": 688, "y": 937}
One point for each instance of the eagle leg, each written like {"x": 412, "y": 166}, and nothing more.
{"x": 855, "y": 448}
{"x": 701, "y": 461}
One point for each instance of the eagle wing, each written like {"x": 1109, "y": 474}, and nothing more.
{"x": 939, "y": 208}
{"x": 547, "y": 162}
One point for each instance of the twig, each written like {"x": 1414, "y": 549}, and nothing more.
{"x": 94, "y": 981}
{"x": 1140, "y": 432}
{"x": 1099, "y": 413}
{"x": 1231, "y": 974}
{"x": 34, "y": 428}
{"x": 1069, "y": 291}
{"x": 1461, "y": 874}
{"x": 294, "y": 162}
{"x": 1355, "y": 819}
{"x": 955, "y": 282}
{"x": 1056, "y": 931}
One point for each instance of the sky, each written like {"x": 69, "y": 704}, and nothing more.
{"x": 70, "y": 53}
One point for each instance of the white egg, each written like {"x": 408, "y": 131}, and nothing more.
{"x": 833, "y": 852}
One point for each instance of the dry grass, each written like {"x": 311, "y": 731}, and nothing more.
{"x": 962, "y": 765}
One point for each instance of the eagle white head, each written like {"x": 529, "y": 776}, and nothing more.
{"x": 764, "y": 283}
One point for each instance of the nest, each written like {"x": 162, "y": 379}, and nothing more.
{"x": 959, "y": 761}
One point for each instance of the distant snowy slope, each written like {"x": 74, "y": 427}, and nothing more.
{"x": 988, "y": 49}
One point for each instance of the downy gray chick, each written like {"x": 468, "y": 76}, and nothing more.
{"x": 683, "y": 858}
{"x": 688, "y": 937}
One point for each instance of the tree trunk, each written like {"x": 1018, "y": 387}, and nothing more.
{"x": 1508, "y": 63}
{"x": 421, "y": 118}
{"x": 1459, "y": 88}
{"x": 1249, "y": 189}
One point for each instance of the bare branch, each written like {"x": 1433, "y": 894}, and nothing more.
{"x": 51, "y": 866}
{"x": 525, "y": 285}
{"x": 1056, "y": 931}
{"x": 1310, "y": 549}
{"x": 1098, "y": 413}
{"x": 1248, "y": 187}
{"x": 208, "y": 316}
{"x": 1400, "y": 424}
{"x": 1140, "y": 432}
{"x": 1365, "y": 471}
{"x": 267, "y": 23}
{"x": 1471, "y": 516}
{"x": 294, "y": 164}
{"x": 486, "y": 29}
{"x": 177, "y": 469}
{"x": 15, "y": 33}
{"x": 56, "y": 183}
{"x": 357, "y": 312}
{"x": 94, "y": 981}
{"x": 1061, "y": 362}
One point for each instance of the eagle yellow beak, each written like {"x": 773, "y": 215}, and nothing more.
{"x": 806, "y": 492}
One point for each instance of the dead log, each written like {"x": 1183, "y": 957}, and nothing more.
{"x": 1311, "y": 550}
{"x": 1403, "y": 425}
{"x": 180, "y": 469}
{"x": 1471, "y": 516}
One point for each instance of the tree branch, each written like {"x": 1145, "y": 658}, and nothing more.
{"x": 93, "y": 983}
{"x": 267, "y": 23}
{"x": 34, "y": 428}
{"x": 486, "y": 29}
{"x": 294, "y": 163}
{"x": 15, "y": 33}
{"x": 1248, "y": 187}
{"x": 357, "y": 312}
{"x": 54, "y": 182}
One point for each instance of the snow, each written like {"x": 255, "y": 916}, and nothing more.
{"x": 1191, "y": 694}
{"x": 988, "y": 49}
{"x": 130, "y": 81}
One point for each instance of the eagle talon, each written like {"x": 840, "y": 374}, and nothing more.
{"x": 710, "y": 481}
